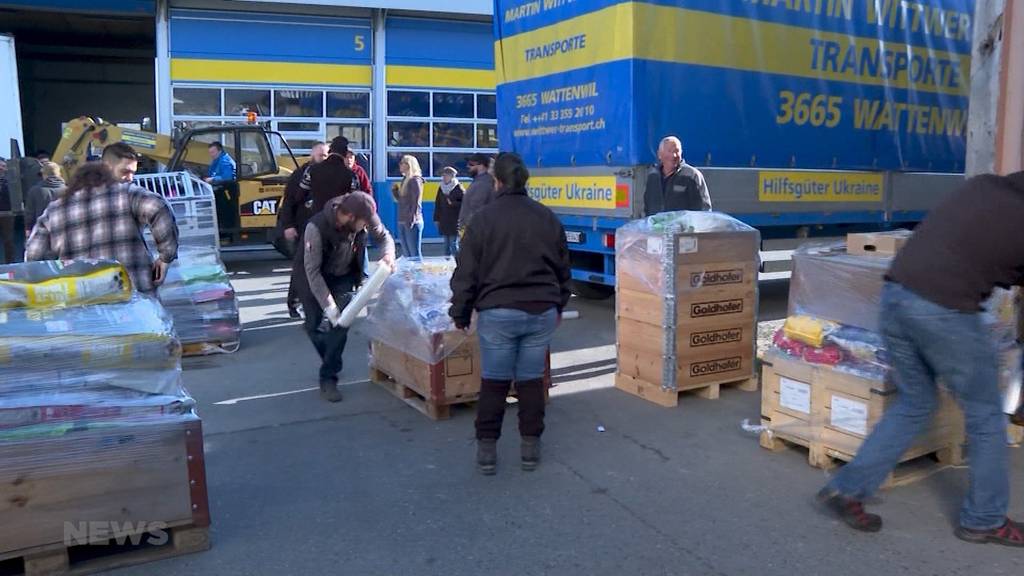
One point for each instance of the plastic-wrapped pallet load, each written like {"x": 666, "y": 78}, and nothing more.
{"x": 414, "y": 343}
{"x": 200, "y": 298}
{"x": 686, "y": 304}
{"x": 827, "y": 378}
{"x": 97, "y": 432}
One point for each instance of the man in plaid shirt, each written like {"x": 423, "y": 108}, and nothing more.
{"x": 101, "y": 218}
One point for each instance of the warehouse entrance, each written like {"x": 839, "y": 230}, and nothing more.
{"x": 72, "y": 65}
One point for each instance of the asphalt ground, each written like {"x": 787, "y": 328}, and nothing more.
{"x": 372, "y": 487}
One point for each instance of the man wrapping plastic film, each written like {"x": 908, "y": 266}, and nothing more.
{"x": 327, "y": 271}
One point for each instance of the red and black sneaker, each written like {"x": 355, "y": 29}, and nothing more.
{"x": 849, "y": 511}
{"x": 1009, "y": 534}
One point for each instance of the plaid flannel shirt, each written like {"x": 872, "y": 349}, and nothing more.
{"x": 107, "y": 224}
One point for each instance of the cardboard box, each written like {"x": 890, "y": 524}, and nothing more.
{"x": 877, "y": 243}
{"x": 832, "y": 412}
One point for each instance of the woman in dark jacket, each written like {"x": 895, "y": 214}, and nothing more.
{"x": 52, "y": 186}
{"x": 447, "y": 205}
{"x": 513, "y": 268}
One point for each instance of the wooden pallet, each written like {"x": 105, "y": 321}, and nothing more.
{"x": 101, "y": 557}
{"x": 208, "y": 348}
{"x": 432, "y": 409}
{"x": 915, "y": 465}
{"x": 670, "y": 398}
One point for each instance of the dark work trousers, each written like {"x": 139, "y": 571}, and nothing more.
{"x": 330, "y": 344}
{"x": 490, "y": 409}
{"x": 8, "y": 245}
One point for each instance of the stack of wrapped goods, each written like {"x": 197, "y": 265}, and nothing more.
{"x": 200, "y": 298}
{"x": 686, "y": 305}
{"x": 98, "y": 438}
{"x": 827, "y": 379}
{"x": 416, "y": 351}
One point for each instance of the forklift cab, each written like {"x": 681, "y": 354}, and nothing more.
{"x": 247, "y": 207}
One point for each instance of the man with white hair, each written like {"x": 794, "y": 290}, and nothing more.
{"x": 672, "y": 184}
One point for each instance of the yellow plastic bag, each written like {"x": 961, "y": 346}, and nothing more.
{"x": 44, "y": 285}
{"x": 808, "y": 330}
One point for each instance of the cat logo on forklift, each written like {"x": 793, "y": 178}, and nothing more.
{"x": 264, "y": 207}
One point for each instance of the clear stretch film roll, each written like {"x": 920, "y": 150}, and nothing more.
{"x": 363, "y": 296}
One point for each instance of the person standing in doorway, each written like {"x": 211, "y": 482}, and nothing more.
{"x": 934, "y": 332}
{"x": 6, "y": 216}
{"x": 223, "y": 176}
{"x": 447, "y": 205}
{"x": 480, "y": 191}
{"x": 673, "y": 184}
{"x": 329, "y": 268}
{"x": 39, "y": 197}
{"x": 222, "y": 166}
{"x": 409, "y": 197}
{"x": 513, "y": 268}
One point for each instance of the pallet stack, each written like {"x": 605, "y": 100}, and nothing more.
{"x": 826, "y": 380}
{"x": 99, "y": 440}
{"x": 686, "y": 305}
{"x": 199, "y": 296}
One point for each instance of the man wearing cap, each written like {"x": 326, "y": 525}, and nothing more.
{"x": 329, "y": 268}
{"x": 330, "y": 178}
{"x": 480, "y": 191}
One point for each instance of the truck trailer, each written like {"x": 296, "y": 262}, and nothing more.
{"x": 806, "y": 117}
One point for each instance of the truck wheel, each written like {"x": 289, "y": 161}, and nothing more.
{"x": 589, "y": 291}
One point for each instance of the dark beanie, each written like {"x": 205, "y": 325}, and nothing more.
{"x": 339, "y": 145}
{"x": 359, "y": 205}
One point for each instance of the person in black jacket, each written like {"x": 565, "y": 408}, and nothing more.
{"x": 295, "y": 212}
{"x": 447, "y": 206}
{"x": 673, "y": 184}
{"x": 513, "y": 267}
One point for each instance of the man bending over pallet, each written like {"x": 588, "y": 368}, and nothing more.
{"x": 329, "y": 269}
{"x": 934, "y": 331}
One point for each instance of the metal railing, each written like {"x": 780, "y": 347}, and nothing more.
{"x": 193, "y": 203}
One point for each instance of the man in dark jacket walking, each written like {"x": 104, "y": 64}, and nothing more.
{"x": 934, "y": 332}
{"x": 328, "y": 268}
{"x": 330, "y": 178}
{"x": 480, "y": 192}
{"x": 296, "y": 210}
{"x": 673, "y": 184}
{"x": 513, "y": 267}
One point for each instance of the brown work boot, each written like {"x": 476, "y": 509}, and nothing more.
{"x": 1009, "y": 534}
{"x": 487, "y": 456}
{"x": 1017, "y": 418}
{"x": 849, "y": 511}
{"x": 530, "y": 453}
{"x": 329, "y": 391}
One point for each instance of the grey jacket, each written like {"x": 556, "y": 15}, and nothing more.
{"x": 479, "y": 194}
{"x": 684, "y": 189}
{"x": 39, "y": 197}
{"x": 410, "y": 201}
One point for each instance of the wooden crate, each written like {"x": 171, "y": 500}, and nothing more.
{"x": 830, "y": 413}
{"x": 126, "y": 481}
{"x": 430, "y": 388}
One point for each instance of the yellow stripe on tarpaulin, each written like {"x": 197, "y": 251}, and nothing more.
{"x": 431, "y": 77}
{"x": 196, "y": 70}
{"x": 676, "y": 35}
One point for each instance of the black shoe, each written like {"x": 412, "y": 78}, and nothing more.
{"x": 293, "y": 313}
{"x": 487, "y": 456}
{"x": 849, "y": 511}
{"x": 530, "y": 453}
{"x": 1009, "y": 534}
{"x": 329, "y": 391}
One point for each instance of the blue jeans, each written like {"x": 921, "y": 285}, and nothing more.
{"x": 928, "y": 342}
{"x": 514, "y": 344}
{"x": 451, "y": 245}
{"x": 412, "y": 238}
